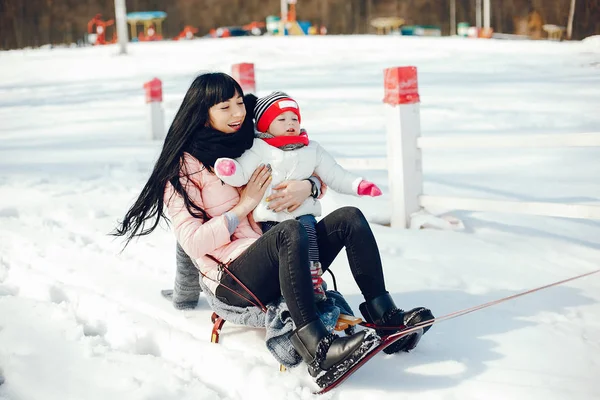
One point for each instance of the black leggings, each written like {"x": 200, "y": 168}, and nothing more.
{"x": 277, "y": 263}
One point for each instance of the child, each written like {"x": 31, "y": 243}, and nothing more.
{"x": 286, "y": 149}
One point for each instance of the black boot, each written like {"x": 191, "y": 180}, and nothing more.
{"x": 382, "y": 311}
{"x": 329, "y": 356}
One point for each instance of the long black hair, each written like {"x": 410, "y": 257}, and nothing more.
{"x": 189, "y": 123}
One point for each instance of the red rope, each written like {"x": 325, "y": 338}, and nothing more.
{"x": 224, "y": 268}
{"x": 231, "y": 290}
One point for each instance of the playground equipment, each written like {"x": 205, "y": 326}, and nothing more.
{"x": 255, "y": 28}
{"x": 554, "y": 32}
{"x": 387, "y": 25}
{"x": 421, "y": 30}
{"x": 287, "y": 23}
{"x": 97, "y": 30}
{"x": 187, "y": 33}
{"x": 227, "y": 31}
{"x": 151, "y": 22}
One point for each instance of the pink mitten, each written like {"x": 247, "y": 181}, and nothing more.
{"x": 366, "y": 188}
{"x": 225, "y": 167}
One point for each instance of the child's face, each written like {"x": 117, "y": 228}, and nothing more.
{"x": 286, "y": 124}
{"x": 227, "y": 116}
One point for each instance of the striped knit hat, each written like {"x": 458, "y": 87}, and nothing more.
{"x": 270, "y": 107}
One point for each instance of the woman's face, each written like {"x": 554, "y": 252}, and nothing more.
{"x": 227, "y": 116}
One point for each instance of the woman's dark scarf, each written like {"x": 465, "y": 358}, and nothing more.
{"x": 208, "y": 144}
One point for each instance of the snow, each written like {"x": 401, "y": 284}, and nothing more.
{"x": 81, "y": 319}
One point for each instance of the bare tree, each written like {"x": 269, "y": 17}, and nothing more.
{"x": 37, "y": 22}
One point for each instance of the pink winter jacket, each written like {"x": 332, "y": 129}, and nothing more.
{"x": 199, "y": 238}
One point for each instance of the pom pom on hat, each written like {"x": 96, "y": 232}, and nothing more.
{"x": 270, "y": 107}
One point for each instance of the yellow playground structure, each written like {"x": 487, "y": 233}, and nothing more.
{"x": 151, "y": 22}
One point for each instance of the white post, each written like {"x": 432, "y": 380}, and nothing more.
{"x": 403, "y": 124}
{"x": 478, "y": 14}
{"x": 284, "y": 17}
{"x": 153, "y": 90}
{"x": 452, "y": 17}
{"x": 570, "y": 22}
{"x": 487, "y": 14}
{"x": 284, "y": 10}
{"x": 121, "y": 24}
{"x": 157, "y": 121}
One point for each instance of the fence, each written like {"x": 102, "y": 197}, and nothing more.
{"x": 405, "y": 145}
{"x": 404, "y": 158}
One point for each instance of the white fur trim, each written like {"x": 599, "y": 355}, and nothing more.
{"x": 355, "y": 184}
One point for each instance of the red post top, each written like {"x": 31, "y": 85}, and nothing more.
{"x": 243, "y": 73}
{"x": 401, "y": 86}
{"x": 153, "y": 90}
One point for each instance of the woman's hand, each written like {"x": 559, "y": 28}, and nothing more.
{"x": 289, "y": 195}
{"x": 254, "y": 191}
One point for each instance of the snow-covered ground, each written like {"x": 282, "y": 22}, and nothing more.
{"x": 81, "y": 320}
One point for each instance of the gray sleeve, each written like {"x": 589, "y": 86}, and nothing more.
{"x": 232, "y": 221}
{"x": 186, "y": 290}
{"x": 317, "y": 182}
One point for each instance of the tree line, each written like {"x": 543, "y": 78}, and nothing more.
{"x": 35, "y": 23}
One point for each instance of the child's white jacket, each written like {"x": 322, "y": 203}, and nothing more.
{"x": 287, "y": 165}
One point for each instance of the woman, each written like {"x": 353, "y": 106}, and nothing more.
{"x": 241, "y": 266}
